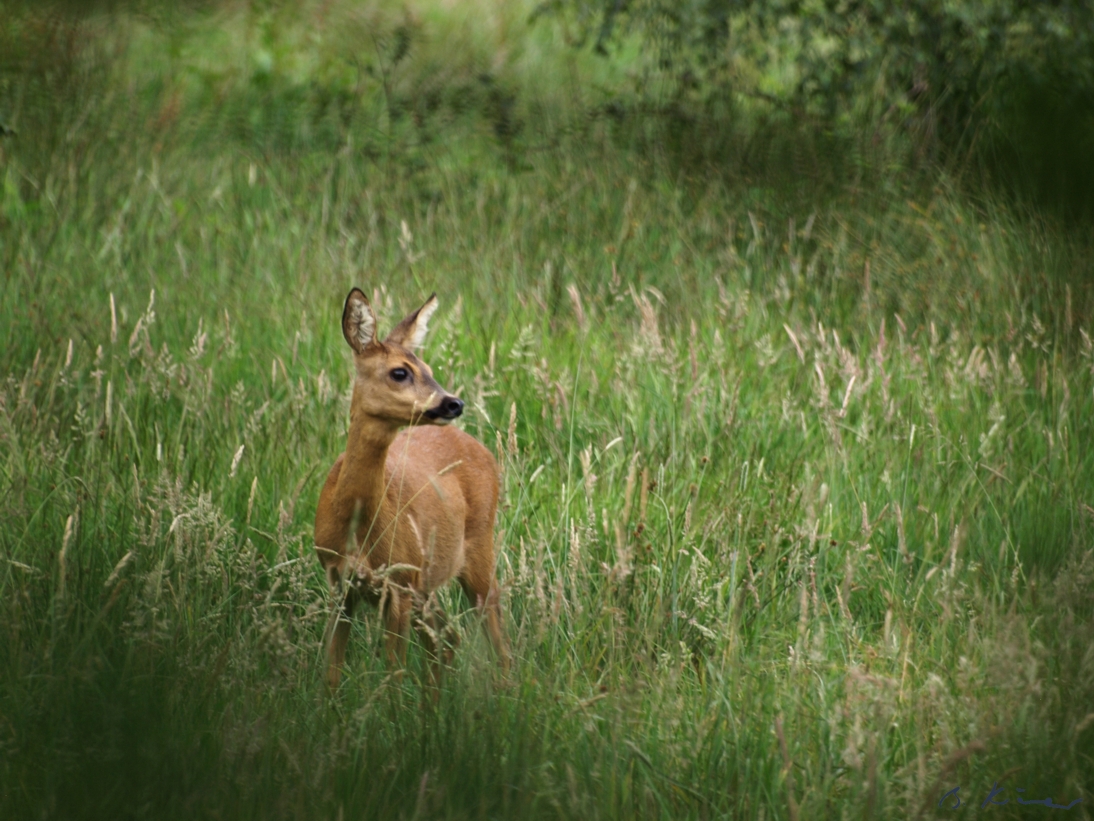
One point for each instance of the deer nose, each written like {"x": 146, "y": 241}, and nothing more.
{"x": 451, "y": 407}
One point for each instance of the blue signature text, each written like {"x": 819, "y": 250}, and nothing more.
{"x": 955, "y": 799}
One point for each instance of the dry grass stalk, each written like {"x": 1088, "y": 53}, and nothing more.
{"x": 579, "y": 310}
{"x": 843, "y": 592}
{"x": 62, "y": 557}
{"x": 512, "y": 437}
{"x": 235, "y": 462}
{"x": 803, "y": 619}
{"x": 628, "y": 493}
{"x": 788, "y": 769}
{"x": 902, "y": 542}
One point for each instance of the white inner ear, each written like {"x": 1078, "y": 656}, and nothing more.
{"x": 362, "y": 322}
{"x": 421, "y": 324}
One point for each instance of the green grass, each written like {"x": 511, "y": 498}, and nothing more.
{"x": 778, "y": 536}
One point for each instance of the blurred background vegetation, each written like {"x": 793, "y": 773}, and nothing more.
{"x": 996, "y": 92}
{"x": 777, "y": 316}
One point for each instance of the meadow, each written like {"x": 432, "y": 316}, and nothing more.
{"x": 798, "y": 494}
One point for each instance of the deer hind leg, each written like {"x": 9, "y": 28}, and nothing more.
{"x": 338, "y": 631}
{"x": 479, "y": 583}
{"x": 491, "y": 609}
{"x": 484, "y": 592}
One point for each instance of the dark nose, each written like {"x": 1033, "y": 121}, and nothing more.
{"x": 452, "y": 407}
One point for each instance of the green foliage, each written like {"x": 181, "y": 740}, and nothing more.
{"x": 1009, "y": 84}
{"x": 796, "y": 494}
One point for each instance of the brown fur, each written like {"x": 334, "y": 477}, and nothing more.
{"x": 403, "y": 512}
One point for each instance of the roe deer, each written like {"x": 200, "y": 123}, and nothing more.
{"x": 402, "y": 513}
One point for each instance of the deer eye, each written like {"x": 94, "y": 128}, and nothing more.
{"x": 400, "y": 374}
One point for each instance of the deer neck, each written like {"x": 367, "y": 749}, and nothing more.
{"x": 361, "y": 483}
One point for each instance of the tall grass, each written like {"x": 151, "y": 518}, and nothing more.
{"x": 796, "y": 514}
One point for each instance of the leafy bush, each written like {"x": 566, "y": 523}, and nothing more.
{"x": 1008, "y": 84}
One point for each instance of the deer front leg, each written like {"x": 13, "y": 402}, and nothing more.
{"x": 339, "y": 632}
{"x": 336, "y": 652}
{"x": 438, "y": 637}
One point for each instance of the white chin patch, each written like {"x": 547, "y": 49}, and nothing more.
{"x": 441, "y": 421}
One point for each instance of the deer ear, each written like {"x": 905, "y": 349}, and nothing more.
{"x": 358, "y": 321}
{"x": 411, "y": 331}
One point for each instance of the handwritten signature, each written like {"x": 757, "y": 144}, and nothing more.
{"x": 995, "y": 790}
